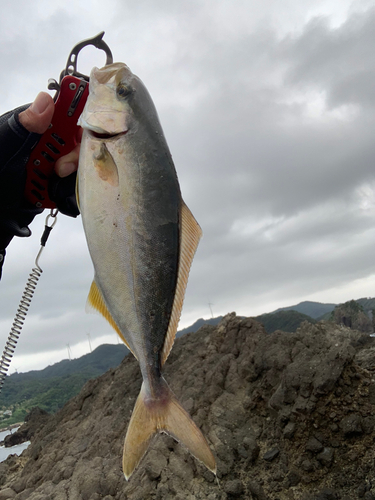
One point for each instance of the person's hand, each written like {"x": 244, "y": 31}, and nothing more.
{"x": 61, "y": 186}
{"x": 20, "y": 131}
{"x": 36, "y": 119}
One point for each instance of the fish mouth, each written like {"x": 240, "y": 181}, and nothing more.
{"x": 106, "y": 135}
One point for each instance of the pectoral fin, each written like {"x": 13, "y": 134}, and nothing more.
{"x": 106, "y": 166}
{"x": 95, "y": 301}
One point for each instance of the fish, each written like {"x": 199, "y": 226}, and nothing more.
{"x": 142, "y": 239}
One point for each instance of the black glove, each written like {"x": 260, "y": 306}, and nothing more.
{"x": 15, "y": 146}
{"x": 16, "y": 213}
{"x": 62, "y": 190}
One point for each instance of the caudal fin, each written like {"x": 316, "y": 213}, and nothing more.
{"x": 162, "y": 415}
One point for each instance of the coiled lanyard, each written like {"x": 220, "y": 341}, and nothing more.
{"x": 25, "y": 301}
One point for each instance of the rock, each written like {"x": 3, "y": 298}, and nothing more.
{"x": 314, "y": 445}
{"x": 252, "y": 448}
{"x": 25, "y": 495}
{"x": 33, "y": 421}
{"x": 253, "y": 394}
{"x": 293, "y": 479}
{"x": 326, "y": 457}
{"x": 352, "y": 425}
{"x": 234, "y": 488}
{"x": 307, "y": 465}
{"x": 7, "y": 493}
{"x": 368, "y": 424}
{"x": 257, "y": 491}
{"x": 327, "y": 494}
{"x": 361, "y": 490}
{"x": 271, "y": 454}
{"x": 289, "y": 430}
{"x": 154, "y": 464}
{"x": 3, "y": 473}
{"x": 180, "y": 468}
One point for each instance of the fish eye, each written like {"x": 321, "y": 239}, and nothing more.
{"x": 122, "y": 91}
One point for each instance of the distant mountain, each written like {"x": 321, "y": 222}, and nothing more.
{"x": 286, "y": 321}
{"x": 313, "y": 309}
{"x": 323, "y": 311}
{"x": 198, "y": 324}
{"x": 97, "y": 362}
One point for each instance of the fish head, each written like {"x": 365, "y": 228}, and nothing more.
{"x": 108, "y": 110}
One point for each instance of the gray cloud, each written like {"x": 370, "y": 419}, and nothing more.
{"x": 268, "y": 113}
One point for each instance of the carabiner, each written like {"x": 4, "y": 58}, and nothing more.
{"x": 53, "y": 214}
{"x": 71, "y": 65}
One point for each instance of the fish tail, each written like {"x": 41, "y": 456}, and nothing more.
{"x": 165, "y": 414}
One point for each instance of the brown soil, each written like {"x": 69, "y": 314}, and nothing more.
{"x": 289, "y": 416}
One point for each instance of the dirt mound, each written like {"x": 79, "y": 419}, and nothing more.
{"x": 288, "y": 416}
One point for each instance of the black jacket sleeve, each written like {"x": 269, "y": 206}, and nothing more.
{"x": 16, "y": 213}
{"x": 16, "y": 144}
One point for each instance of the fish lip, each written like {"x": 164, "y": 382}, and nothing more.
{"x": 106, "y": 136}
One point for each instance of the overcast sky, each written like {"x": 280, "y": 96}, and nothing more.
{"x": 269, "y": 111}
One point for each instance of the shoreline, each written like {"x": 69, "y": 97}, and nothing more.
{"x": 11, "y": 426}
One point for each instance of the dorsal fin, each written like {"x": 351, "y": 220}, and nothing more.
{"x": 95, "y": 301}
{"x": 190, "y": 234}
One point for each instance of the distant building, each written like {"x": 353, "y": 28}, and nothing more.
{"x": 7, "y": 413}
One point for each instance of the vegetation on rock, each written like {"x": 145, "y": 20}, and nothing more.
{"x": 286, "y": 321}
{"x": 352, "y": 315}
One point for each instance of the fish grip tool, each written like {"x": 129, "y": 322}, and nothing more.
{"x": 25, "y": 301}
{"x": 59, "y": 139}
{"x": 63, "y": 133}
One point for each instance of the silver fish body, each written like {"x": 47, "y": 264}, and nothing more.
{"x": 142, "y": 239}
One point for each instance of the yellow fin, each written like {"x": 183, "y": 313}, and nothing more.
{"x": 190, "y": 234}
{"x": 106, "y": 166}
{"x": 96, "y": 301}
{"x": 162, "y": 415}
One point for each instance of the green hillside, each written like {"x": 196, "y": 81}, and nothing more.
{"x": 287, "y": 321}
{"x": 368, "y": 305}
{"x": 52, "y": 387}
{"x": 98, "y": 361}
